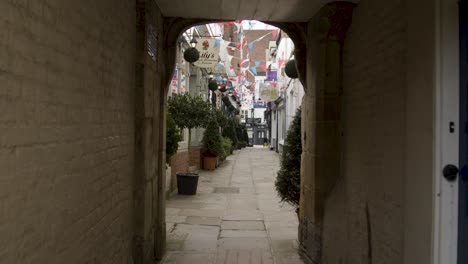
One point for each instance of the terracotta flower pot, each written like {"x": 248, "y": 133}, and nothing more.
{"x": 209, "y": 163}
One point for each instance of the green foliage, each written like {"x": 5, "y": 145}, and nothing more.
{"x": 229, "y": 131}
{"x": 173, "y": 136}
{"x": 240, "y": 135}
{"x": 288, "y": 181}
{"x": 227, "y": 146}
{"x": 213, "y": 85}
{"x": 245, "y": 136}
{"x": 189, "y": 111}
{"x": 212, "y": 142}
{"x": 221, "y": 117}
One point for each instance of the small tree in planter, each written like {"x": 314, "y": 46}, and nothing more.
{"x": 288, "y": 180}
{"x": 188, "y": 112}
{"x": 229, "y": 131}
{"x": 212, "y": 145}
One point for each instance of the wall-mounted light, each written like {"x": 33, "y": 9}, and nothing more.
{"x": 193, "y": 42}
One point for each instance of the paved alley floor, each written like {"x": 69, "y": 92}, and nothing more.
{"x": 236, "y": 216}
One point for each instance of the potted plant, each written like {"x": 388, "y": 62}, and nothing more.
{"x": 229, "y": 131}
{"x": 227, "y": 147}
{"x": 212, "y": 145}
{"x": 288, "y": 180}
{"x": 188, "y": 112}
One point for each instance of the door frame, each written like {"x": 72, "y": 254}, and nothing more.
{"x": 463, "y": 153}
{"x": 445, "y": 224}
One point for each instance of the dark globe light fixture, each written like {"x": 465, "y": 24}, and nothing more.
{"x": 291, "y": 70}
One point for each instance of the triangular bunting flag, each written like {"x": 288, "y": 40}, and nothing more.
{"x": 264, "y": 67}
{"x": 251, "y": 45}
{"x": 217, "y": 42}
{"x": 230, "y": 23}
{"x": 253, "y": 70}
{"x": 257, "y": 63}
{"x": 241, "y": 34}
{"x": 281, "y": 62}
{"x": 275, "y": 33}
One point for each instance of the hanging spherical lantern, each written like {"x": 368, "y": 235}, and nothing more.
{"x": 191, "y": 55}
{"x": 213, "y": 85}
{"x": 291, "y": 70}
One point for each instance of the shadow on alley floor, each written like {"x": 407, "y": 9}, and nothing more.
{"x": 236, "y": 216}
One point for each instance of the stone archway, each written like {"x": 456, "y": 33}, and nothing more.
{"x": 319, "y": 59}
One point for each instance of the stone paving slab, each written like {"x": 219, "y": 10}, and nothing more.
{"x": 201, "y": 220}
{"x": 244, "y": 257}
{"x": 235, "y": 217}
{"x": 242, "y": 225}
{"x": 243, "y": 233}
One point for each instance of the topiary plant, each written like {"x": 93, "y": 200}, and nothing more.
{"x": 212, "y": 142}
{"x": 213, "y": 85}
{"x": 227, "y": 146}
{"x": 173, "y": 137}
{"x": 229, "y": 131}
{"x": 191, "y": 55}
{"x": 291, "y": 70}
{"x": 288, "y": 180}
{"x": 221, "y": 117}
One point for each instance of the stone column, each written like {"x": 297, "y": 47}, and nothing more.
{"x": 321, "y": 112}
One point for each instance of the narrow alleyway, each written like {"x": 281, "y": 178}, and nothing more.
{"x": 236, "y": 216}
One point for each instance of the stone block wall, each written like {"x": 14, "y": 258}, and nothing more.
{"x": 385, "y": 168}
{"x": 366, "y": 206}
{"x": 66, "y": 131}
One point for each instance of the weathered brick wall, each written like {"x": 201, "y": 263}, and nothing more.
{"x": 363, "y": 221}
{"x": 195, "y": 157}
{"x": 178, "y": 165}
{"x": 66, "y": 131}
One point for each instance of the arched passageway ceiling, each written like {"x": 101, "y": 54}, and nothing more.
{"x": 264, "y": 10}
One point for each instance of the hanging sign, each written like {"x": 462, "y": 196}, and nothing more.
{"x": 209, "y": 53}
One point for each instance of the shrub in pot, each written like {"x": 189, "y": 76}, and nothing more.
{"x": 229, "y": 131}
{"x": 227, "y": 146}
{"x": 288, "y": 181}
{"x": 212, "y": 145}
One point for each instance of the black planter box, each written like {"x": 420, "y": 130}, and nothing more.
{"x": 187, "y": 183}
